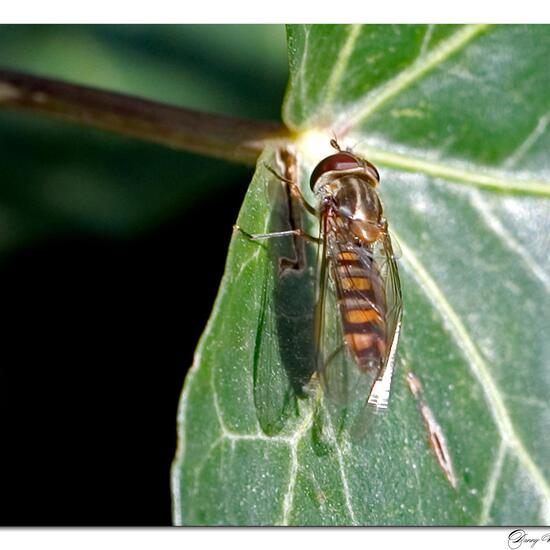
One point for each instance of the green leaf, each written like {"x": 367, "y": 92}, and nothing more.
{"x": 456, "y": 120}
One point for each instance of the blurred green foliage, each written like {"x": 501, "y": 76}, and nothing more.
{"x": 59, "y": 178}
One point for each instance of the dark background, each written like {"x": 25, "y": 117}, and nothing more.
{"x": 111, "y": 252}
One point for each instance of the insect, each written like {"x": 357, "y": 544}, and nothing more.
{"x": 357, "y": 273}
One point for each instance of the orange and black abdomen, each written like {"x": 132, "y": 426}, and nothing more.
{"x": 360, "y": 293}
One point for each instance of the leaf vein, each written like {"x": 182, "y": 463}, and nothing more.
{"x": 426, "y": 40}
{"x": 341, "y": 466}
{"x": 294, "y": 442}
{"x": 527, "y": 400}
{"x": 491, "y": 488}
{"x": 374, "y": 100}
{"x": 496, "y": 225}
{"x": 197, "y": 471}
{"x": 340, "y": 66}
{"x": 529, "y": 141}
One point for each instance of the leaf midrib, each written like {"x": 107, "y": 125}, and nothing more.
{"x": 484, "y": 179}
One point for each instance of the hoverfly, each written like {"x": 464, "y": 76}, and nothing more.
{"x": 356, "y": 274}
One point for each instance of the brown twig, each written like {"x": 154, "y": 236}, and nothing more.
{"x": 221, "y": 136}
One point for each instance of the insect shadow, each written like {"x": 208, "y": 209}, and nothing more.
{"x": 284, "y": 352}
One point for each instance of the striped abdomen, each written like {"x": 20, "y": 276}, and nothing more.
{"x": 360, "y": 292}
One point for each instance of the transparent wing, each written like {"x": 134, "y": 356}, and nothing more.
{"x": 379, "y": 393}
{"x": 394, "y": 251}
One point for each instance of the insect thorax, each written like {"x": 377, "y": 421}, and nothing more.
{"x": 353, "y": 200}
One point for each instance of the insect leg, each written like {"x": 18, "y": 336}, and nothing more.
{"x": 295, "y": 191}
{"x": 276, "y": 234}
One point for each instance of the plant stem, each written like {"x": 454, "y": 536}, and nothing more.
{"x": 235, "y": 139}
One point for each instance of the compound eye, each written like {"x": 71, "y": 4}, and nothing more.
{"x": 373, "y": 170}
{"x": 337, "y": 162}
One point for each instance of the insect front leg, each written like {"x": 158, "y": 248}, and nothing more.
{"x": 295, "y": 191}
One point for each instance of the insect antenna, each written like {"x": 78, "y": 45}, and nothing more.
{"x": 334, "y": 143}
{"x": 355, "y": 145}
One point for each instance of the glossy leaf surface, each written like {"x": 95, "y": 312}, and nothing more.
{"x": 456, "y": 120}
